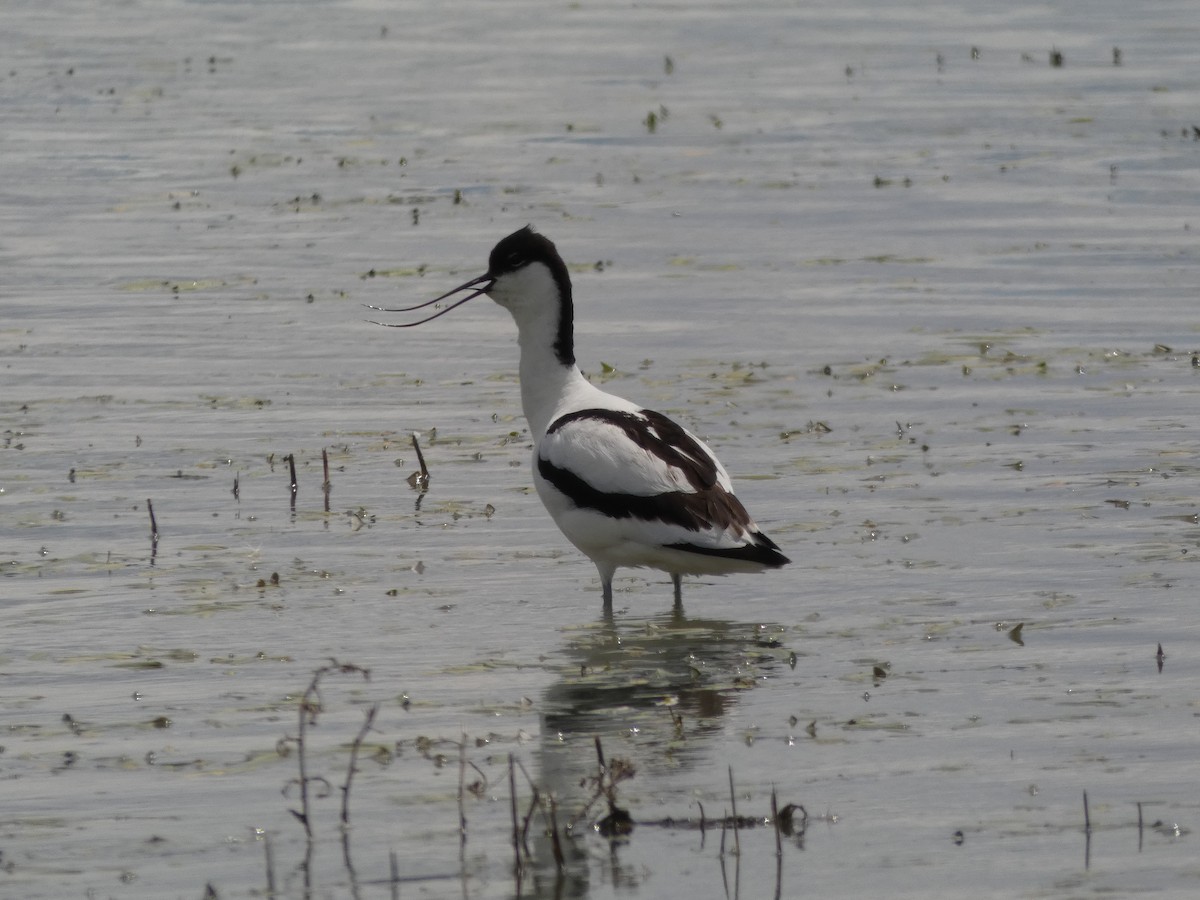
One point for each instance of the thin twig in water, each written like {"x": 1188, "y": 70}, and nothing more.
{"x": 775, "y": 822}
{"x": 721, "y": 857}
{"x": 352, "y": 769}
{"x": 535, "y": 803}
{"x": 559, "y": 859}
{"x": 1087, "y": 832}
{"x": 462, "y": 780}
{"x": 308, "y": 710}
{"x": 604, "y": 782}
{"x": 326, "y": 485}
{"x": 618, "y": 822}
{"x": 153, "y": 522}
{"x": 419, "y": 480}
{"x": 778, "y": 845}
{"x": 420, "y": 458}
{"x": 737, "y": 843}
{"x": 516, "y": 834}
{"x": 270, "y": 865}
{"x": 291, "y": 461}
{"x": 309, "y": 706}
{"x": 1139, "y": 806}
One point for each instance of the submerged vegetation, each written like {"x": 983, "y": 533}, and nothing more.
{"x": 539, "y": 816}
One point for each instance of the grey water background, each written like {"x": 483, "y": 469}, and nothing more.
{"x": 927, "y": 287}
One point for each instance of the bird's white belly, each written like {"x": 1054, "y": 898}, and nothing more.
{"x": 629, "y": 542}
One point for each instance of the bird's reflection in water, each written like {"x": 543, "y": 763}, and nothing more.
{"x": 653, "y": 690}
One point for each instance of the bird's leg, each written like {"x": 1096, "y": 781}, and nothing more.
{"x": 606, "y": 577}
{"x": 677, "y": 580}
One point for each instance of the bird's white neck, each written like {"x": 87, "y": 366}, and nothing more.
{"x": 551, "y": 383}
{"x": 548, "y": 387}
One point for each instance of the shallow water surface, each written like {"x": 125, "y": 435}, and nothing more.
{"x": 929, "y": 294}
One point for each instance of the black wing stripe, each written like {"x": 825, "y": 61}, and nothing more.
{"x": 713, "y": 508}
{"x": 762, "y": 550}
{"x": 658, "y": 436}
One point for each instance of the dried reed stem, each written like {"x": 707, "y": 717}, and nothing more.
{"x": 326, "y": 485}
{"x": 153, "y": 522}
{"x": 462, "y": 780}
{"x": 737, "y": 843}
{"x": 424, "y": 476}
{"x": 270, "y": 865}
{"x": 352, "y": 768}
{"x": 516, "y": 834}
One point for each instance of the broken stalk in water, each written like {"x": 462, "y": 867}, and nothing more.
{"x": 420, "y": 479}
{"x": 326, "y": 485}
{"x": 291, "y": 461}
{"x": 153, "y": 525}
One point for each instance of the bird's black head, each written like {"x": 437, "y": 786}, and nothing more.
{"x": 526, "y": 247}
{"x": 520, "y": 249}
{"x": 509, "y": 282}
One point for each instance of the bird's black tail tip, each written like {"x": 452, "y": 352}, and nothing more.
{"x": 769, "y": 553}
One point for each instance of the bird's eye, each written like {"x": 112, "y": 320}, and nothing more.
{"x": 515, "y": 261}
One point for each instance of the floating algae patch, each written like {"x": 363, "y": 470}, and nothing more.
{"x": 184, "y": 285}
{"x": 142, "y": 657}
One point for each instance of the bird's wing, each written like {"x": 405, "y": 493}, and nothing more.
{"x": 642, "y": 466}
{"x": 641, "y": 453}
